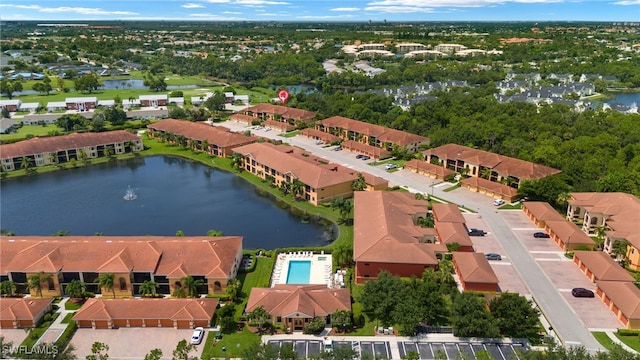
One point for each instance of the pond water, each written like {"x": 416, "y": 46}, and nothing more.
{"x": 171, "y": 194}
{"x": 136, "y": 84}
{"x": 625, "y": 99}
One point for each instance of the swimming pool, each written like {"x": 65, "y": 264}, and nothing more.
{"x": 299, "y": 272}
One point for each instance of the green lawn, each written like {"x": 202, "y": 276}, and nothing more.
{"x": 67, "y": 318}
{"x": 507, "y": 206}
{"x": 232, "y": 343}
{"x": 603, "y": 339}
{"x": 451, "y": 188}
{"x": 291, "y": 134}
{"x": 632, "y": 341}
{"x": 37, "y": 332}
{"x": 34, "y": 130}
{"x": 72, "y": 306}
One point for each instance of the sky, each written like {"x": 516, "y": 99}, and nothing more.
{"x": 322, "y": 10}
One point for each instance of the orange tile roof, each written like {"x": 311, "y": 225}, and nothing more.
{"x": 542, "y": 211}
{"x": 284, "y": 111}
{"x": 474, "y": 268}
{"x": 428, "y": 167}
{"x": 307, "y": 300}
{"x": 365, "y": 148}
{"x": 625, "y": 295}
{"x": 621, "y": 211}
{"x": 200, "y": 131}
{"x": 603, "y": 266}
{"x": 504, "y": 165}
{"x": 326, "y": 137}
{"x": 20, "y": 309}
{"x": 205, "y": 256}
{"x": 384, "y": 230}
{"x": 148, "y": 309}
{"x": 283, "y": 126}
{"x": 288, "y": 160}
{"x": 242, "y": 118}
{"x": 65, "y": 142}
{"x": 453, "y": 232}
{"x": 447, "y": 213}
{"x": 492, "y": 186}
{"x": 382, "y": 133}
{"x": 374, "y": 180}
{"x": 569, "y": 232}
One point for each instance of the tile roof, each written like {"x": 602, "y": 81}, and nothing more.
{"x": 384, "y": 230}
{"x": 453, "y": 232}
{"x": 143, "y": 308}
{"x": 542, "y": 211}
{"x": 284, "y": 111}
{"x": 310, "y": 300}
{"x": 311, "y": 170}
{"x": 242, "y": 118}
{"x": 625, "y": 295}
{"x": 18, "y": 309}
{"x": 200, "y": 131}
{"x": 382, "y": 133}
{"x": 492, "y": 186}
{"x": 60, "y": 143}
{"x": 428, "y": 167}
{"x": 326, "y": 137}
{"x": 621, "y": 211}
{"x": 474, "y": 268}
{"x": 447, "y": 213}
{"x": 504, "y": 165}
{"x": 284, "y": 126}
{"x": 365, "y": 148}
{"x": 569, "y": 232}
{"x": 603, "y": 266}
{"x": 205, "y": 256}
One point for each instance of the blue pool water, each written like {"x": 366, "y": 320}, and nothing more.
{"x": 299, "y": 272}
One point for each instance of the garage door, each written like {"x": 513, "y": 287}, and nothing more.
{"x": 119, "y": 323}
{"x": 167, "y": 322}
{"x": 184, "y": 324}
{"x": 135, "y": 322}
{"x": 102, "y": 324}
{"x": 6, "y": 324}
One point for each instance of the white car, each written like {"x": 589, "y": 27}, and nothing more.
{"x": 390, "y": 166}
{"x": 198, "y": 335}
{"x": 498, "y": 202}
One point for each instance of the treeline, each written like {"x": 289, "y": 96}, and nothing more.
{"x": 596, "y": 151}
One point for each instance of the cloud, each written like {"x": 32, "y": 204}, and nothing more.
{"x": 192, "y": 6}
{"x": 232, "y": 12}
{"x": 627, "y": 2}
{"x": 325, "y": 17}
{"x": 69, "y": 9}
{"x": 218, "y": 1}
{"x": 345, "y": 9}
{"x": 399, "y": 9}
{"x": 260, "y": 2}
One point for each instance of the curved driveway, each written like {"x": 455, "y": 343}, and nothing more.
{"x": 560, "y": 315}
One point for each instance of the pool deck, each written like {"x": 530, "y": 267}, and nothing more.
{"x": 319, "y": 273}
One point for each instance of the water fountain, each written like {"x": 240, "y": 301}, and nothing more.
{"x": 130, "y": 195}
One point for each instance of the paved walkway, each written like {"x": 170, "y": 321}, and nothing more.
{"x": 57, "y": 328}
{"x": 615, "y": 339}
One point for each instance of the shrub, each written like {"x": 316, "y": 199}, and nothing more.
{"x": 65, "y": 338}
{"x": 47, "y": 317}
{"x": 628, "y": 332}
{"x": 315, "y": 326}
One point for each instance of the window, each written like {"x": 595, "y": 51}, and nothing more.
{"x": 51, "y": 284}
{"x": 123, "y": 284}
{"x": 279, "y": 319}
{"x": 217, "y": 286}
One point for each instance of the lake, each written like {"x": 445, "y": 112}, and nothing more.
{"x": 172, "y": 194}
{"x": 625, "y": 98}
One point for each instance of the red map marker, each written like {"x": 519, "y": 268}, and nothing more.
{"x": 283, "y": 95}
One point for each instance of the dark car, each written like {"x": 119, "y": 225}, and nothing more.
{"x": 541, "y": 235}
{"x": 477, "y": 232}
{"x": 582, "y": 292}
{"x": 365, "y": 157}
{"x": 359, "y": 156}
{"x": 493, "y": 256}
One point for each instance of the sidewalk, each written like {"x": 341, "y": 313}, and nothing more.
{"x": 57, "y": 327}
{"x": 615, "y": 339}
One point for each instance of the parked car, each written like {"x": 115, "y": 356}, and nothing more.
{"x": 365, "y": 157}
{"x": 390, "y": 166}
{"x": 540, "y": 235}
{"x": 338, "y": 148}
{"x": 582, "y": 292}
{"x": 493, "y": 256}
{"x": 319, "y": 142}
{"x": 498, "y": 202}
{"x": 359, "y": 156}
{"x": 477, "y": 232}
{"x": 198, "y": 335}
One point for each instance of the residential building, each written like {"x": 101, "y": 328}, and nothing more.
{"x": 370, "y": 134}
{"x": 623, "y": 299}
{"x": 563, "y": 232}
{"x": 475, "y": 272}
{"x": 600, "y": 266}
{"x": 154, "y": 100}
{"x": 409, "y": 47}
{"x": 10, "y": 104}
{"x": 322, "y": 181}
{"x": 215, "y": 140}
{"x": 295, "y": 306}
{"x": 61, "y": 149}
{"x": 490, "y": 188}
{"x": 102, "y": 313}
{"x": 428, "y": 169}
{"x": 540, "y": 212}
{"x": 81, "y": 103}
{"x": 131, "y": 259}
{"x": 22, "y": 312}
{"x": 387, "y": 236}
{"x": 449, "y": 48}
{"x": 613, "y": 216}
{"x": 280, "y": 113}
{"x": 451, "y": 227}
{"x": 8, "y": 125}
{"x": 491, "y": 166}
{"x": 319, "y": 135}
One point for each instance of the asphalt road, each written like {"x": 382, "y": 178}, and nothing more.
{"x": 560, "y": 315}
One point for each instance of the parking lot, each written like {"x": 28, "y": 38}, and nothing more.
{"x": 16, "y": 336}
{"x": 461, "y": 350}
{"x": 306, "y": 348}
{"x": 133, "y": 343}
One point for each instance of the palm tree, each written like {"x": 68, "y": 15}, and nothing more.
{"x": 26, "y": 162}
{"x": 619, "y": 249}
{"x": 8, "y": 288}
{"x": 214, "y": 233}
{"x": 297, "y": 188}
{"x": 260, "y": 315}
{"x": 35, "y": 281}
{"x": 237, "y": 161}
{"x": 108, "y": 151}
{"x": 53, "y": 158}
{"x": 204, "y": 146}
{"x": 485, "y": 173}
{"x": 359, "y": 184}
{"x": 148, "y": 287}
{"x": 82, "y": 156}
{"x": 107, "y": 281}
{"x": 233, "y": 289}
{"x": 129, "y": 144}
{"x": 285, "y": 188}
{"x": 75, "y": 289}
{"x": 191, "y": 285}
{"x": 341, "y": 318}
